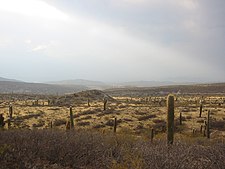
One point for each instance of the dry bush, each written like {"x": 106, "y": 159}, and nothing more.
{"x": 30, "y": 115}
{"x": 218, "y": 124}
{"x": 88, "y": 112}
{"x": 30, "y": 149}
{"x": 97, "y": 126}
{"x": 122, "y": 106}
{"x": 128, "y": 119}
{"x": 147, "y": 117}
{"x": 86, "y": 118}
{"x": 159, "y": 121}
{"x": 40, "y": 123}
{"x": 59, "y": 122}
{"x": 188, "y": 117}
{"x": 160, "y": 125}
{"x": 200, "y": 121}
{"x": 110, "y": 122}
{"x": 140, "y": 113}
{"x": 83, "y": 123}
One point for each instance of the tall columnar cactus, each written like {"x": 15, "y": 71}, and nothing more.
{"x": 208, "y": 125}
{"x": 10, "y": 111}
{"x": 105, "y": 104}
{"x": 2, "y": 123}
{"x": 152, "y": 134}
{"x": 51, "y": 125}
{"x": 200, "y": 112}
{"x": 115, "y": 125}
{"x": 71, "y": 118}
{"x": 180, "y": 118}
{"x": 88, "y": 102}
{"x": 170, "y": 119}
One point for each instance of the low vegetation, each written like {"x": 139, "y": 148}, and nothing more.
{"x": 122, "y": 132}
{"x": 87, "y": 149}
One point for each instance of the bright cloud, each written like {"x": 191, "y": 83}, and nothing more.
{"x": 33, "y": 8}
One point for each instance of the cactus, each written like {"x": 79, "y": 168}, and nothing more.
{"x": 170, "y": 119}
{"x": 9, "y": 123}
{"x": 88, "y": 102}
{"x": 193, "y": 131}
{"x": 200, "y": 113}
{"x": 208, "y": 125}
{"x": 71, "y": 118}
{"x": 51, "y": 124}
{"x": 2, "y": 123}
{"x": 201, "y": 128}
{"x": 10, "y": 111}
{"x": 115, "y": 125}
{"x": 180, "y": 118}
{"x": 105, "y": 103}
{"x": 68, "y": 125}
{"x": 152, "y": 134}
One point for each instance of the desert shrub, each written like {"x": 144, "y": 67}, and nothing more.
{"x": 218, "y": 124}
{"x": 110, "y": 122}
{"x": 28, "y": 116}
{"x": 97, "y": 126}
{"x": 86, "y": 118}
{"x": 188, "y": 117}
{"x": 160, "y": 126}
{"x": 59, "y": 122}
{"x": 83, "y": 123}
{"x": 140, "y": 113}
{"x": 88, "y": 149}
{"x": 147, "y": 117}
{"x": 139, "y": 126}
{"x": 106, "y": 112}
{"x": 88, "y": 112}
{"x": 122, "y": 106}
{"x": 159, "y": 121}
{"x": 40, "y": 123}
{"x": 127, "y": 119}
{"x": 200, "y": 121}
{"x": 185, "y": 110}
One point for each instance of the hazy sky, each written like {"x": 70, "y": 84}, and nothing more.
{"x": 112, "y": 40}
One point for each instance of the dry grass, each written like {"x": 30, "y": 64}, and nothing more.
{"x": 88, "y": 149}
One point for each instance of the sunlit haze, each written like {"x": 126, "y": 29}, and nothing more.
{"x": 113, "y": 40}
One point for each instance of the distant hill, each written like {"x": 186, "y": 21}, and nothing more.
{"x": 38, "y": 88}
{"x": 150, "y": 83}
{"x": 88, "y": 83}
{"x": 215, "y": 88}
{"x": 82, "y": 97}
{"x": 101, "y": 85}
{"x": 8, "y": 80}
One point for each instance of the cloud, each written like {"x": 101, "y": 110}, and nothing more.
{"x": 39, "y": 48}
{"x": 28, "y": 41}
{"x": 33, "y": 8}
{"x": 122, "y": 40}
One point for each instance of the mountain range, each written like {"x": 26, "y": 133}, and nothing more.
{"x": 72, "y": 86}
